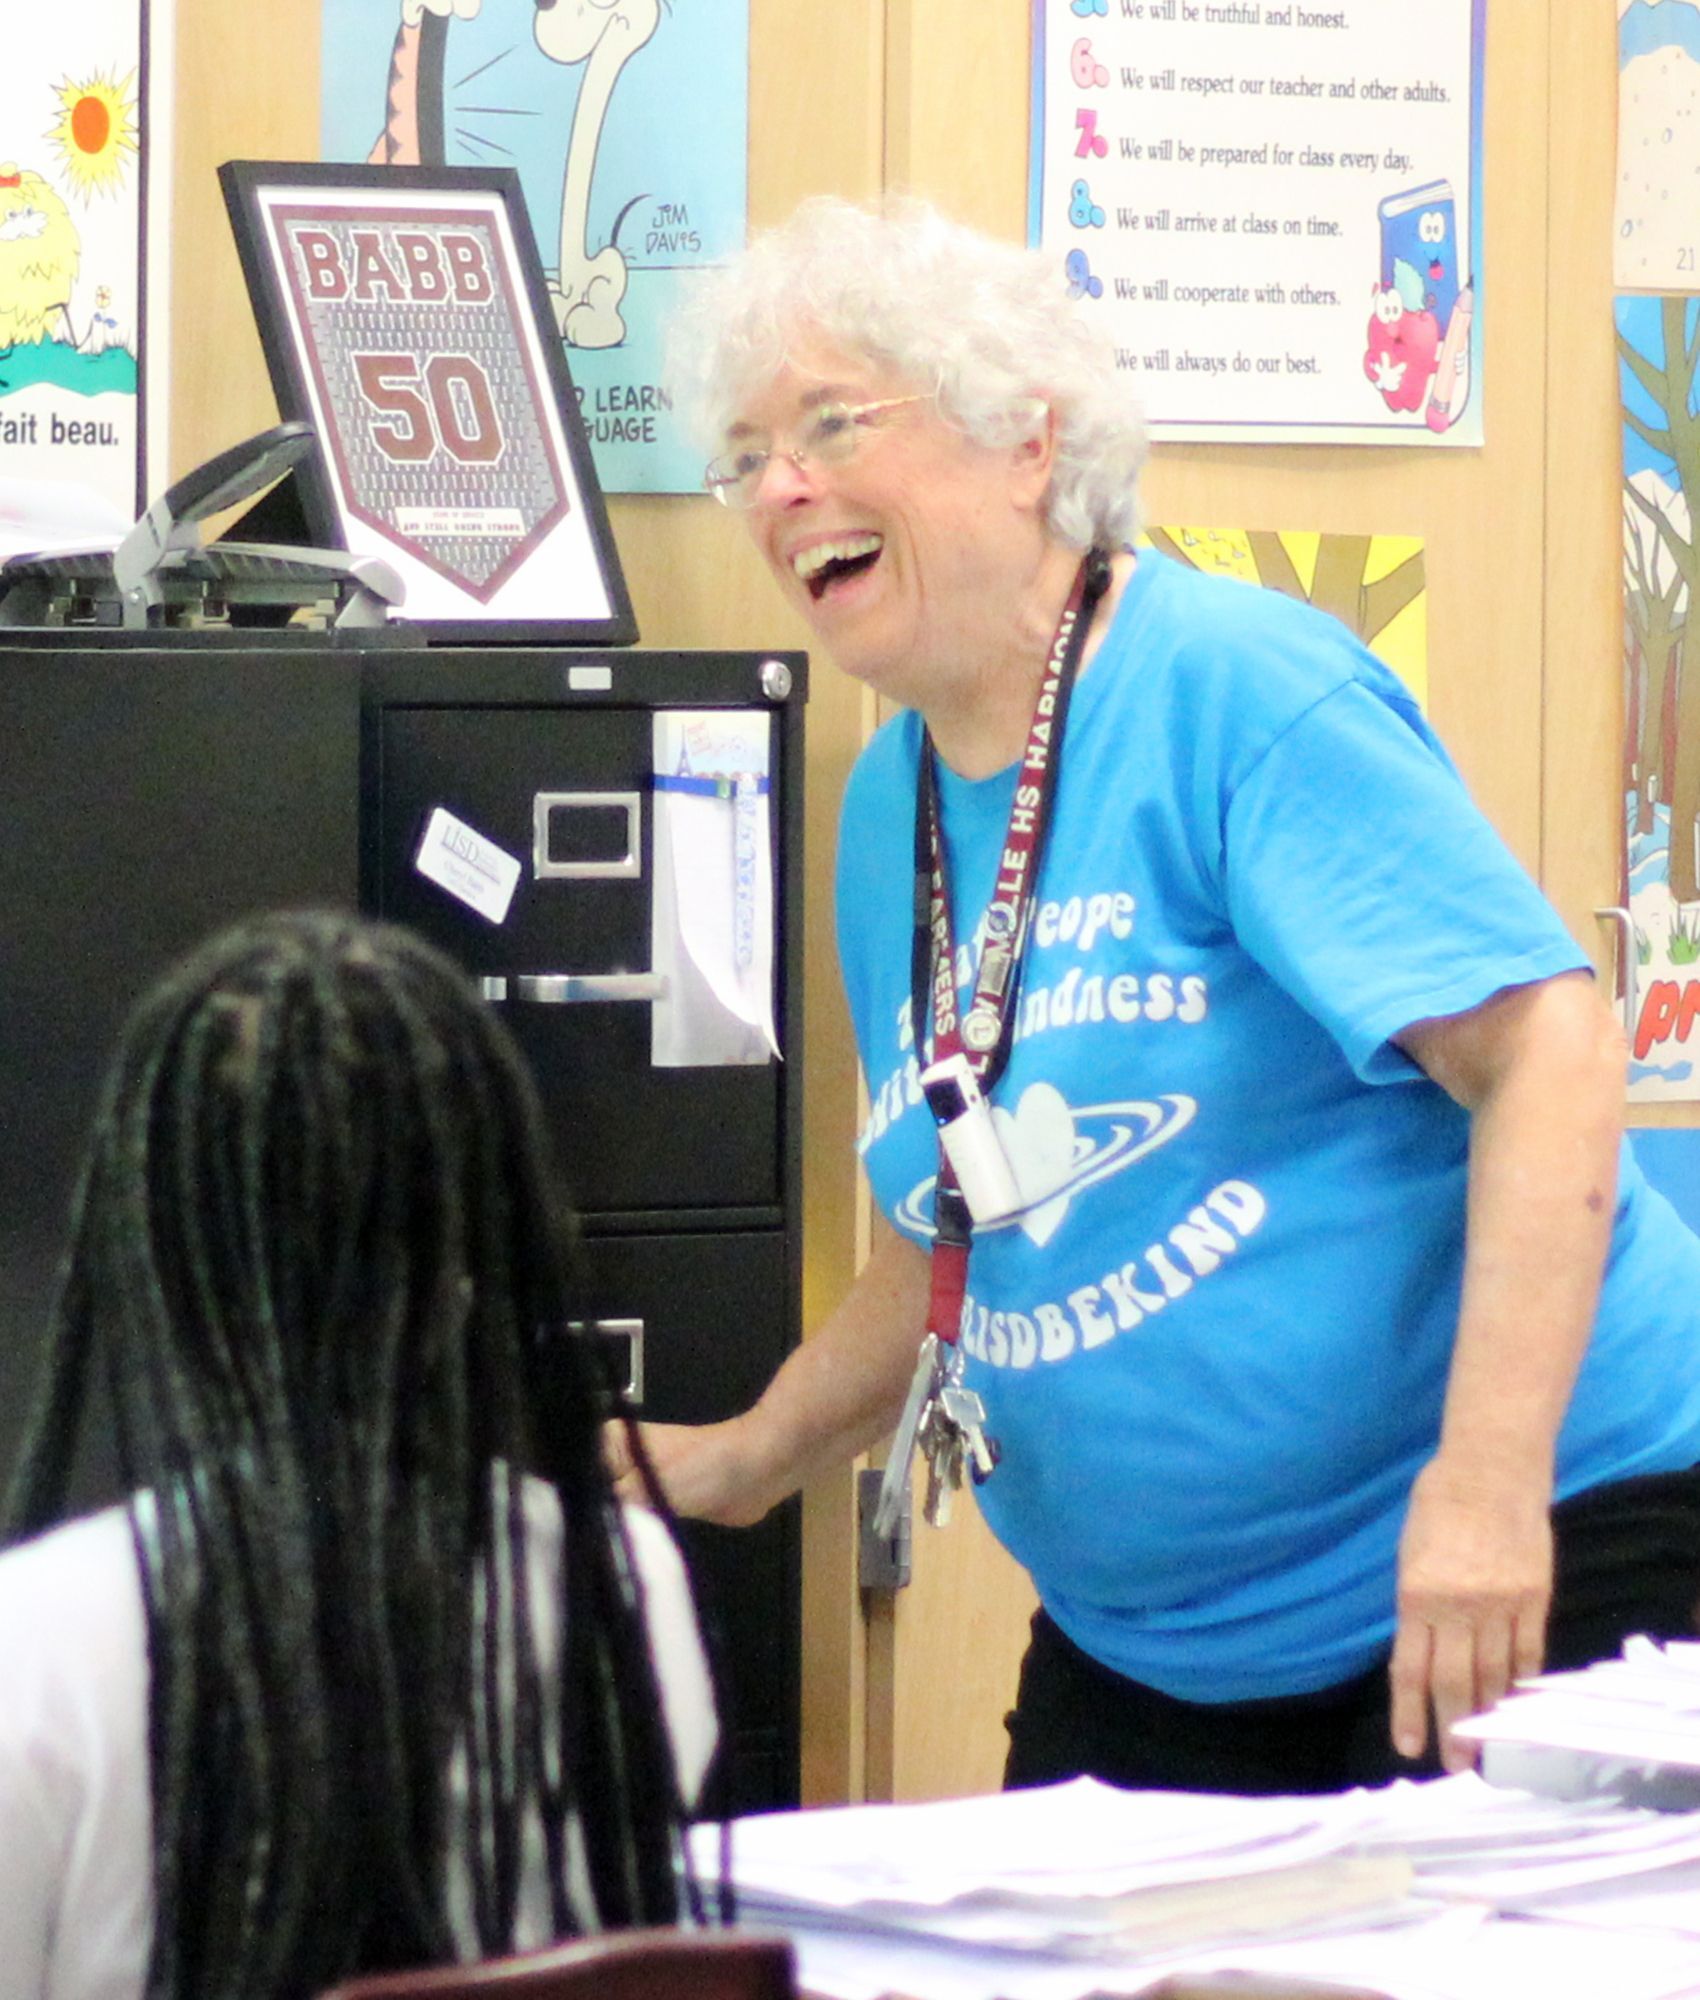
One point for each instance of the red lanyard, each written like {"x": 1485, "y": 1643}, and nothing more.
{"x": 983, "y": 1035}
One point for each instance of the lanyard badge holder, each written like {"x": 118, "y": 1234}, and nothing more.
{"x": 941, "y": 1418}
{"x": 969, "y": 1139}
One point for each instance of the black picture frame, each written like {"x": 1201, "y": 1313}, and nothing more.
{"x": 403, "y": 313}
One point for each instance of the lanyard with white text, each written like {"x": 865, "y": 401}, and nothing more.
{"x": 969, "y": 1053}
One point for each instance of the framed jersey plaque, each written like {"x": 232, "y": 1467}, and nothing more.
{"x": 403, "y": 314}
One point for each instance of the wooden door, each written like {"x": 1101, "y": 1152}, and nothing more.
{"x": 943, "y": 1656}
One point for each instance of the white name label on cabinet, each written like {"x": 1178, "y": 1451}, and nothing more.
{"x": 460, "y": 860}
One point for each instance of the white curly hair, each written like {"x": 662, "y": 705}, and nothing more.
{"x": 985, "y": 327}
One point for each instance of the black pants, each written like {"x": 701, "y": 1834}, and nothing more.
{"x": 1626, "y": 1559}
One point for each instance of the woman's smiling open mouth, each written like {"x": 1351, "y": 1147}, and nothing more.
{"x": 827, "y": 563}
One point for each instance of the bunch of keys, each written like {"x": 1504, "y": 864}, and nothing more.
{"x": 946, "y": 1422}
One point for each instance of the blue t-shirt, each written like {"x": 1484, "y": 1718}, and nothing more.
{"x": 1214, "y": 1348}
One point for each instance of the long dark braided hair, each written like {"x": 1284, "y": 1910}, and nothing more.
{"x": 320, "y": 1259}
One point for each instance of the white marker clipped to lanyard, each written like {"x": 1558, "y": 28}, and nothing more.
{"x": 970, "y": 1140}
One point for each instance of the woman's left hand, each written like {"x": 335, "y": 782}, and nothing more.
{"x": 1475, "y": 1580}
{"x": 1540, "y": 1069}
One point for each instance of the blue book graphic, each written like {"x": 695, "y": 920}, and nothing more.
{"x": 1419, "y": 249}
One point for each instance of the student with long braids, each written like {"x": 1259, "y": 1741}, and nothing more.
{"x": 371, "y": 1670}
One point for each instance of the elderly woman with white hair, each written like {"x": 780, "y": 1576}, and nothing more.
{"x": 1244, "y": 1124}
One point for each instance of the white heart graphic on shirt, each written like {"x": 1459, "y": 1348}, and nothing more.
{"x": 1056, "y": 1153}
{"x": 1038, "y": 1141}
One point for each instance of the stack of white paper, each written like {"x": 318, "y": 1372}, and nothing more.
{"x": 1071, "y": 1870}
{"x": 1629, "y": 1726}
{"x": 1446, "y": 1891}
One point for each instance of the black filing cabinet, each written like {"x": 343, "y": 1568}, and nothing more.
{"x": 686, "y": 1177}
{"x": 153, "y": 792}
{"x": 147, "y": 797}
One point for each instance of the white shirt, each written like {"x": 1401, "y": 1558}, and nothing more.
{"x": 76, "y": 1857}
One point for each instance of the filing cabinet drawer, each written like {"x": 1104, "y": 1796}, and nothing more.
{"x": 568, "y": 793}
{"x": 714, "y": 1310}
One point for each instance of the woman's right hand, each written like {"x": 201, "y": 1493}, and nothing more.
{"x": 837, "y": 1393}
{"x": 708, "y": 1472}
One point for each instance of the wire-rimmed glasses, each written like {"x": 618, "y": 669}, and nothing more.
{"x": 828, "y": 435}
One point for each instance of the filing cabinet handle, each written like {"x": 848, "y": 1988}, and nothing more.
{"x": 571, "y": 989}
{"x": 624, "y": 1339}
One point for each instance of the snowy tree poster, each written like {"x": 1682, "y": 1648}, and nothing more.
{"x": 1658, "y": 344}
{"x": 72, "y": 299}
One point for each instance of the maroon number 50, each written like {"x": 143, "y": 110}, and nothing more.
{"x": 445, "y": 401}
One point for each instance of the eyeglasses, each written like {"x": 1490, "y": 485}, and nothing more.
{"x": 828, "y": 436}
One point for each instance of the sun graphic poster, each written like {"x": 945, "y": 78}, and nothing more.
{"x": 1374, "y": 584}
{"x": 72, "y": 209}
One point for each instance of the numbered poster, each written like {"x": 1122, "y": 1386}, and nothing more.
{"x": 1274, "y": 207}
{"x": 627, "y": 123}
{"x": 1658, "y": 145}
{"x": 72, "y": 223}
